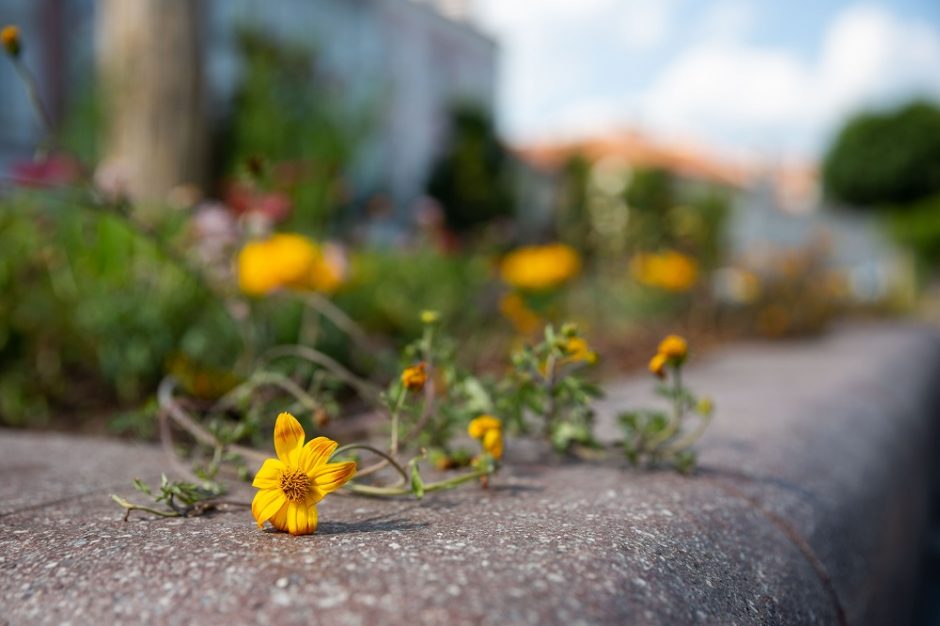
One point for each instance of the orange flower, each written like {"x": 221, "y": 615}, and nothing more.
{"x": 539, "y": 268}
{"x": 414, "y": 377}
{"x": 658, "y": 365}
{"x": 489, "y": 430}
{"x": 674, "y": 348}
{"x": 10, "y": 40}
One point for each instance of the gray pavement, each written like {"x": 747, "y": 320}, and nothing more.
{"x": 810, "y": 507}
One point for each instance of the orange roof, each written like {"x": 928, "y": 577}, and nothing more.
{"x": 639, "y": 151}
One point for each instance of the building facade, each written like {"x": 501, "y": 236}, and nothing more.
{"x": 408, "y": 61}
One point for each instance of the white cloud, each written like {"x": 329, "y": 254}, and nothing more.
{"x": 557, "y": 53}
{"x": 570, "y": 66}
{"x": 773, "y": 99}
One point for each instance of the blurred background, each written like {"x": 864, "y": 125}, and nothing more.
{"x": 724, "y": 169}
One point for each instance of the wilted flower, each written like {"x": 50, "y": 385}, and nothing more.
{"x": 292, "y": 484}
{"x": 291, "y": 261}
{"x": 668, "y": 270}
{"x": 489, "y": 430}
{"x": 414, "y": 377}
{"x": 539, "y": 268}
{"x": 10, "y": 39}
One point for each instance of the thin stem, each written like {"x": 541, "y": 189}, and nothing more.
{"x": 263, "y": 378}
{"x": 366, "y": 390}
{"x": 369, "y": 490}
{"x": 549, "y": 382}
{"x": 339, "y": 318}
{"x": 184, "y": 420}
{"x": 393, "y": 446}
{"x": 687, "y": 441}
{"x": 362, "y": 446}
{"x": 33, "y": 89}
{"x": 130, "y": 506}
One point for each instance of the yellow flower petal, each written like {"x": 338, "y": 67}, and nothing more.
{"x": 279, "y": 520}
{"x": 288, "y": 437}
{"x": 478, "y": 426}
{"x": 301, "y": 518}
{"x": 332, "y": 476}
{"x": 266, "y": 503}
{"x": 316, "y": 453}
{"x": 269, "y": 476}
{"x": 493, "y": 442}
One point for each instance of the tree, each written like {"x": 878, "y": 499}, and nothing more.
{"x": 472, "y": 179}
{"x": 150, "y": 68}
{"x": 889, "y": 158}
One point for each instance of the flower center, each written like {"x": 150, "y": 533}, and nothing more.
{"x": 295, "y": 484}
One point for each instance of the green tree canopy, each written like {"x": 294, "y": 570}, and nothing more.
{"x": 472, "y": 178}
{"x": 888, "y": 158}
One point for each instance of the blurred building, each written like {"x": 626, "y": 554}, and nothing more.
{"x": 409, "y": 61}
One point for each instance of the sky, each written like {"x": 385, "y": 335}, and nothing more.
{"x": 770, "y": 78}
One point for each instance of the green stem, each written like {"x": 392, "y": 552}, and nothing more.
{"x": 362, "y": 446}
{"x": 393, "y": 447}
{"x": 33, "y": 89}
{"x": 130, "y": 506}
{"x": 365, "y": 390}
{"x": 687, "y": 441}
{"x": 369, "y": 490}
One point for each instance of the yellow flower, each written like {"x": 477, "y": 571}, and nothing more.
{"x": 668, "y": 270}
{"x": 523, "y": 319}
{"x": 291, "y": 485}
{"x": 674, "y": 348}
{"x": 289, "y": 260}
{"x": 705, "y": 406}
{"x": 489, "y": 430}
{"x": 658, "y": 365}
{"x": 579, "y": 350}
{"x": 414, "y": 377}
{"x": 430, "y": 317}
{"x": 539, "y": 268}
{"x": 10, "y": 39}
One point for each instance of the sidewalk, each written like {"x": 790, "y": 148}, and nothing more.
{"x": 810, "y": 507}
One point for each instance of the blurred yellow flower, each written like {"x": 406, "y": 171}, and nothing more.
{"x": 288, "y": 260}
{"x": 658, "y": 365}
{"x": 539, "y": 268}
{"x": 430, "y": 317}
{"x": 523, "y": 319}
{"x": 577, "y": 349}
{"x": 414, "y": 377}
{"x": 674, "y": 348}
{"x": 668, "y": 270}
{"x": 291, "y": 485}
{"x": 489, "y": 430}
{"x": 10, "y": 39}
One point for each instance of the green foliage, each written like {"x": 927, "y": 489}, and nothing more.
{"x": 573, "y": 219}
{"x": 471, "y": 180}
{"x": 284, "y": 112}
{"x": 918, "y": 227}
{"x": 548, "y": 382}
{"x": 91, "y": 311}
{"x": 654, "y": 437}
{"x": 451, "y": 397}
{"x": 886, "y": 158}
{"x": 651, "y": 197}
{"x": 388, "y": 287}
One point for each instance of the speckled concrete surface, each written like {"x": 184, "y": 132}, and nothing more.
{"x": 809, "y": 509}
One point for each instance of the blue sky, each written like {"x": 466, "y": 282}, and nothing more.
{"x": 768, "y": 78}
